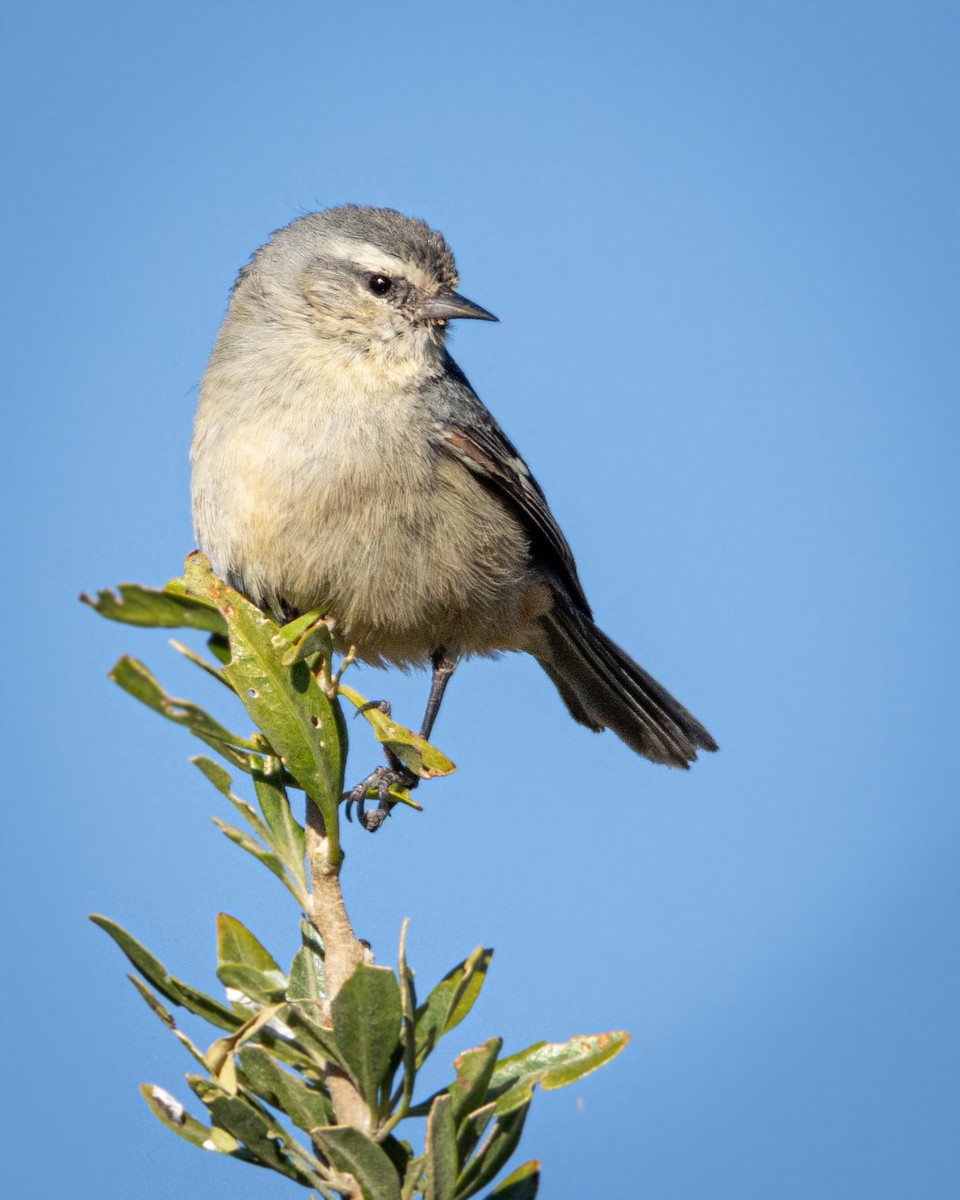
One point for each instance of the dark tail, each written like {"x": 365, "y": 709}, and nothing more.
{"x": 605, "y": 689}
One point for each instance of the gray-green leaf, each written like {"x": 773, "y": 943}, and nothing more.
{"x": 450, "y": 1001}
{"x": 306, "y": 1105}
{"x": 500, "y": 1143}
{"x": 355, "y": 1154}
{"x": 366, "y": 1023}
{"x": 442, "y": 1161}
{"x": 521, "y": 1184}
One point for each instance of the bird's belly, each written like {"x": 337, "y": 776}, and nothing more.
{"x": 406, "y": 551}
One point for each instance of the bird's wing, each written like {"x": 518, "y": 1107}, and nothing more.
{"x": 467, "y": 431}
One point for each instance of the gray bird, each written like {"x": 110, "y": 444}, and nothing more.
{"x": 342, "y": 462}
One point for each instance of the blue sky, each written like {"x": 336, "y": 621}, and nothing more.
{"x": 722, "y": 240}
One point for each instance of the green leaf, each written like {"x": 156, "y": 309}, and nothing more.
{"x": 174, "y": 989}
{"x": 304, "y": 637}
{"x": 500, "y": 1143}
{"x": 249, "y": 983}
{"x": 219, "y": 646}
{"x": 442, "y": 1162}
{"x": 314, "y": 1039}
{"x": 153, "y": 1003}
{"x": 414, "y": 751}
{"x": 472, "y": 1127}
{"x": 552, "y": 1065}
{"x": 355, "y": 1154}
{"x": 287, "y": 835}
{"x": 399, "y": 1152}
{"x": 306, "y": 1105}
{"x": 236, "y": 944}
{"x": 262, "y": 1137}
{"x": 199, "y": 661}
{"x": 286, "y": 861}
{"x": 474, "y": 1070}
{"x": 307, "y": 985}
{"x": 222, "y": 781}
{"x": 412, "y": 1178}
{"x": 468, "y": 1093}
{"x": 134, "y": 678}
{"x": 219, "y": 776}
{"x": 408, "y": 1032}
{"x": 245, "y": 964}
{"x": 366, "y": 1023}
{"x": 521, "y": 1184}
{"x": 266, "y": 857}
{"x": 286, "y": 702}
{"x": 172, "y": 1113}
{"x": 277, "y": 1044}
{"x": 306, "y": 996}
{"x": 219, "y": 1058}
{"x": 450, "y": 1001}
{"x": 168, "y": 609}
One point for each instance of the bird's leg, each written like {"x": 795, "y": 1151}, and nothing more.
{"x": 443, "y": 667}
{"x": 383, "y": 778}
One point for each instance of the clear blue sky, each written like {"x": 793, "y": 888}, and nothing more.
{"x": 722, "y": 240}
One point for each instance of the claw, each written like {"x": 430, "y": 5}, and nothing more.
{"x": 379, "y": 781}
{"x": 383, "y": 705}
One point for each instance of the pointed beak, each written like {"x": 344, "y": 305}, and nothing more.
{"x": 445, "y": 306}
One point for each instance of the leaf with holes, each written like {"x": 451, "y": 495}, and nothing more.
{"x": 134, "y": 678}
{"x": 286, "y": 702}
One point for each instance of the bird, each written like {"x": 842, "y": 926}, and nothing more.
{"x": 342, "y": 462}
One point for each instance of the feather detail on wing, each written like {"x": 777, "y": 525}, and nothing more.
{"x": 486, "y": 451}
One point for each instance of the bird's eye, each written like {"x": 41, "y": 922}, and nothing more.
{"x": 379, "y": 284}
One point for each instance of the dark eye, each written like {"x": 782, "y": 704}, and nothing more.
{"x": 379, "y": 284}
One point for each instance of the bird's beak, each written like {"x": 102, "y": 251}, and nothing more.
{"x": 444, "y": 306}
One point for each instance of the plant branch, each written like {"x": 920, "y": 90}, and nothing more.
{"x": 342, "y": 955}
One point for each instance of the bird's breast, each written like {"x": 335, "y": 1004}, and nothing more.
{"x": 338, "y": 499}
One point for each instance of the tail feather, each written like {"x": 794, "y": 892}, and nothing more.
{"x": 604, "y": 688}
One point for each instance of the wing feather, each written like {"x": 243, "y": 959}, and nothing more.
{"x": 467, "y": 431}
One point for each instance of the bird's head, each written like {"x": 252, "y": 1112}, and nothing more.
{"x": 369, "y": 284}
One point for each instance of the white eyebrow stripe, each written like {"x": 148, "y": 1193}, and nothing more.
{"x": 371, "y": 258}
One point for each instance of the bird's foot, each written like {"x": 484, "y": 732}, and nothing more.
{"x": 378, "y": 782}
